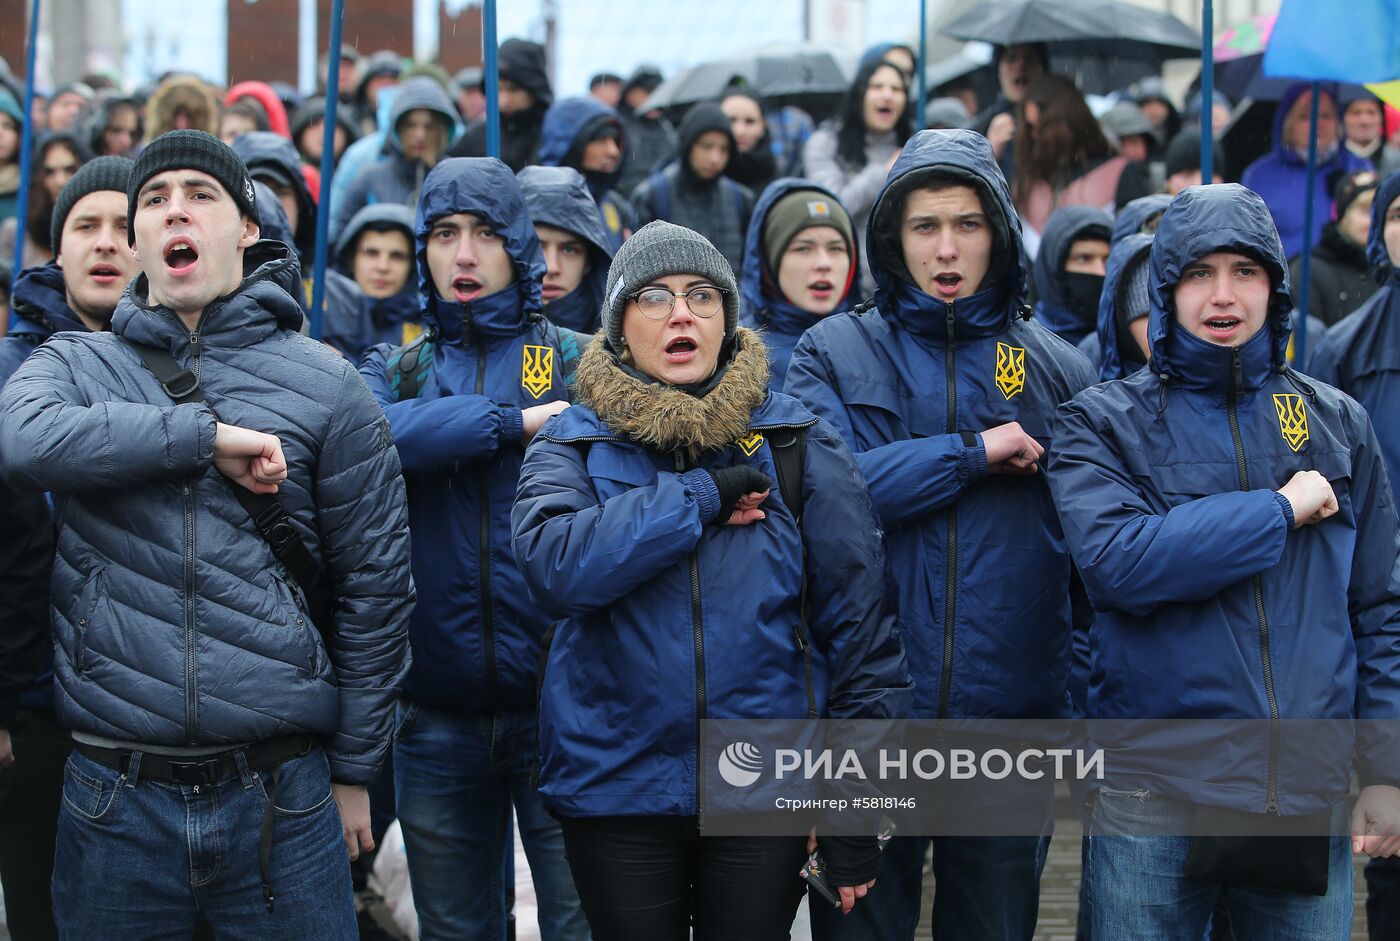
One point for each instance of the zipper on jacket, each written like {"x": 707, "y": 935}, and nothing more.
{"x": 191, "y": 676}
{"x": 697, "y": 624}
{"x": 483, "y": 554}
{"x": 1236, "y": 384}
{"x": 805, "y": 649}
{"x": 951, "y": 556}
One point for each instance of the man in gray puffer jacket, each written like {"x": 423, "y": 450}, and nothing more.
{"x": 213, "y": 724}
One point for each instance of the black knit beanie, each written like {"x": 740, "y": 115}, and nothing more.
{"x": 191, "y": 150}
{"x": 104, "y": 173}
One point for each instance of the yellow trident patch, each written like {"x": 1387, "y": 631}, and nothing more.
{"x": 751, "y": 443}
{"x": 1292, "y": 419}
{"x": 537, "y": 369}
{"x": 1011, "y": 369}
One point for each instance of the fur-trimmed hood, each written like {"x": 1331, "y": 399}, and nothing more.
{"x": 667, "y": 418}
{"x": 182, "y": 92}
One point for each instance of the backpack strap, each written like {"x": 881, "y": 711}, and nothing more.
{"x": 409, "y": 366}
{"x": 571, "y": 344}
{"x": 789, "y": 457}
{"x": 660, "y": 196}
{"x": 269, "y": 517}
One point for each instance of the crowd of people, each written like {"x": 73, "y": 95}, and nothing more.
{"x": 642, "y": 424}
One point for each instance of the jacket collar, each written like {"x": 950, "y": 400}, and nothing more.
{"x": 41, "y": 302}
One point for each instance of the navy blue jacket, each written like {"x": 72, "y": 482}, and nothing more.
{"x": 979, "y": 562}
{"x": 1052, "y": 309}
{"x": 1134, "y": 217}
{"x": 174, "y": 622}
{"x": 665, "y": 618}
{"x": 1108, "y": 353}
{"x": 264, "y": 150}
{"x": 558, "y": 196}
{"x": 563, "y": 136}
{"x": 354, "y": 321}
{"x": 762, "y": 304}
{"x": 1361, "y": 354}
{"x": 1210, "y": 605}
{"x": 475, "y": 633}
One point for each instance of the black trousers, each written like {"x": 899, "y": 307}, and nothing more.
{"x": 1383, "y": 898}
{"x": 30, "y": 791}
{"x": 657, "y": 878}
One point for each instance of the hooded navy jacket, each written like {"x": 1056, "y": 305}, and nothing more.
{"x": 979, "y": 561}
{"x": 475, "y": 633}
{"x": 563, "y": 137}
{"x": 1134, "y": 217}
{"x": 1052, "y": 306}
{"x": 174, "y": 622}
{"x": 1105, "y": 347}
{"x": 762, "y": 304}
{"x": 354, "y": 320}
{"x": 395, "y": 177}
{"x": 1361, "y": 354}
{"x": 264, "y": 151}
{"x": 1210, "y": 605}
{"x": 559, "y": 197}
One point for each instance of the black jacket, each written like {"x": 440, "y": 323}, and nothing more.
{"x": 522, "y": 63}
{"x": 1338, "y": 279}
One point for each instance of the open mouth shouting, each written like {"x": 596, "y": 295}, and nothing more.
{"x": 465, "y": 288}
{"x": 821, "y": 289}
{"x": 946, "y": 284}
{"x": 1223, "y": 328}
{"x": 105, "y": 274}
{"x": 681, "y": 350}
{"x": 181, "y": 257}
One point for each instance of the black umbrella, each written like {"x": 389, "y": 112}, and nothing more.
{"x": 777, "y": 71}
{"x": 1080, "y": 27}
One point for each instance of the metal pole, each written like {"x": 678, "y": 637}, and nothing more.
{"x": 25, "y": 146}
{"x": 1207, "y": 91}
{"x": 1300, "y": 326}
{"x": 923, "y": 62}
{"x": 493, "y": 100}
{"x": 323, "y": 204}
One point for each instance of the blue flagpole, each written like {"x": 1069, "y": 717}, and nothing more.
{"x": 493, "y": 101}
{"x": 26, "y": 143}
{"x": 1300, "y": 325}
{"x": 923, "y": 62}
{"x": 323, "y": 203}
{"x": 1207, "y": 91}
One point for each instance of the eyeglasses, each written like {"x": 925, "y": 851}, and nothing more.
{"x": 657, "y": 303}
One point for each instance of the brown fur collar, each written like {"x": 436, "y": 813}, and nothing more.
{"x": 182, "y": 93}
{"x": 663, "y": 417}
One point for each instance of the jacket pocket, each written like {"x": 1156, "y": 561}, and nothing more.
{"x": 89, "y": 604}
{"x": 545, "y": 644}
{"x": 290, "y": 600}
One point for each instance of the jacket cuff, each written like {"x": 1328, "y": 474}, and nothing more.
{"x": 206, "y": 429}
{"x": 1286, "y": 507}
{"x": 701, "y": 488}
{"x": 972, "y": 462}
{"x": 512, "y": 424}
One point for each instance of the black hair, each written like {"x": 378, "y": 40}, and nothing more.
{"x": 374, "y": 225}
{"x": 851, "y": 130}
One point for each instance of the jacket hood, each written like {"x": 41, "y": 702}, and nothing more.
{"x": 266, "y": 300}
{"x": 383, "y": 62}
{"x": 484, "y": 187}
{"x": 1114, "y": 363}
{"x": 424, "y": 92}
{"x": 559, "y": 196}
{"x": 1202, "y": 220}
{"x": 666, "y": 417}
{"x": 264, "y": 150}
{"x": 761, "y": 302}
{"x": 40, "y": 302}
{"x": 1285, "y": 104}
{"x": 1132, "y": 217}
{"x": 273, "y": 224}
{"x": 706, "y": 116}
{"x": 1376, "y": 255}
{"x": 181, "y": 93}
{"x": 314, "y": 110}
{"x": 271, "y": 104}
{"x": 1064, "y": 226}
{"x": 964, "y": 155}
{"x": 395, "y": 214}
{"x": 523, "y": 62}
{"x": 565, "y": 125}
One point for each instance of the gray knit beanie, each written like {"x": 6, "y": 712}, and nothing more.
{"x": 659, "y": 249}
{"x": 1135, "y": 296}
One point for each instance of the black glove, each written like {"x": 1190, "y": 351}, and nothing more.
{"x": 850, "y": 860}
{"x": 733, "y": 482}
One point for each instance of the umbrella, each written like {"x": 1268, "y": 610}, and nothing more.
{"x": 776, "y": 71}
{"x": 1084, "y": 27}
{"x": 1239, "y": 62}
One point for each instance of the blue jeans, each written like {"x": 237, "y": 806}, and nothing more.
{"x": 1136, "y": 886}
{"x": 456, "y": 777}
{"x": 143, "y": 858}
{"x": 986, "y": 888}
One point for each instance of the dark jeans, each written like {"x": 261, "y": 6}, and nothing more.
{"x": 1383, "y": 899}
{"x": 657, "y": 878}
{"x": 30, "y": 791}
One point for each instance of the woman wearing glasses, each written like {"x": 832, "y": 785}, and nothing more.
{"x": 650, "y": 523}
